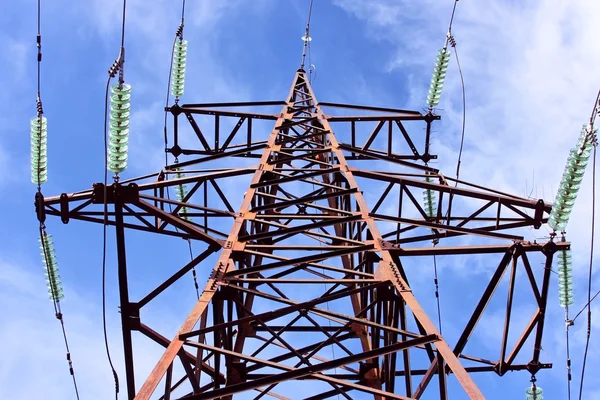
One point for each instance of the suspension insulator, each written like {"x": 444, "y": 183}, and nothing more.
{"x": 437, "y": 80}
{"x": 429, "y": 200}
{"x": 179, "y": 61}
{"x": 55, "y": 289}
{"x": 181, "y": 191}
{"x": 534, "y": 393}
{"x": 565, "y": 278}
{"x": 571, "y": 181}
{"x": 39, "y": 150}
{"x": 120, "y": 105}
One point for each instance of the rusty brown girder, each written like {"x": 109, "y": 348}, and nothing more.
{"x": 314, "y": 259}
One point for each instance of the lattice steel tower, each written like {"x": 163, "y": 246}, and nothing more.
{"x": 309, "y": 297}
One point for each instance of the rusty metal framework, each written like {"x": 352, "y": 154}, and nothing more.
{"x": 311, "y": 263}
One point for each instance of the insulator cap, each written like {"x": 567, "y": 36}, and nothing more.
{"x": 565, "y": 278}
{"x": 39, "y": 150}
{"x": 429, "y": 201}
{"x": 437, "y": 80}
{"x": 120, "y": 112}
{"x": 179, "y": 62}
{"x": 534, "y": 393}
{"x": 181, "y": 192}
{"x": 55, "y": 289}
{"x": 571, "y": 180}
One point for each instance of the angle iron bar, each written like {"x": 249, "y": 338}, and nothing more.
{"x": 292, "y": 178}
{"x": 235, "y": 130}
{"x": 484, "y": 301}
{"x": 292, "y": 306}
{"x": 370, "y": 108}
{"x": 293, "y": 373}
{"x": 432, "y": 225}
{"x": 381, "y": 176}
{"x": 173, "y": 278}
{"x": 299, "y": 228}
{"x": 332, "y": 315}
{"x": 225, "y": 113}
{"x": 300, "y": 260}
{"x": 524, "y": 336}
{"x": 195, "y": 128}
{"x": 179, "y": 223}
{"x": 409, "y": 141}
{"x": 391, "y": 159}
{"x": 365, "y": 118}
{"x": 373, "y": 135}
{"x": 285, "y": 204}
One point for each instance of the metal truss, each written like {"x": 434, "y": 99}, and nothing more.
{"x": 309, "y": 262}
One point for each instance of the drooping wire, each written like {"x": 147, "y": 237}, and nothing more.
{"x": 566, "y": 298}
{"x": 437, "y": 293}
{"x": 105, "y": 223}
{"x": 589, "y": 309}
{"x": 569, "y": 376}
{"x": 116, "y": 68}
{"x": 39, "y": 176}
{"x": 559, "y": 217}
{"x": 593, "y": 116}
{"x": 178, "y": 37}
{"x": 433, "y": 99}
{"x": 464, "y": 104}
{"x": 306, "y": 39}
{"x": 586, "y": 305}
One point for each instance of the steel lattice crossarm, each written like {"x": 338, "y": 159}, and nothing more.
{"x": 315, "y": 259}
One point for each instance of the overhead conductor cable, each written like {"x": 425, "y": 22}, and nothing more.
{"x": 39, "y": 175}
{"x": 594, "y": 141}
{"x": 116, "y": 147}
{"x": 176, "y": 88}
{"x": 433, "y": 98}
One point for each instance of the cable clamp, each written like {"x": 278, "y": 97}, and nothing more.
{"x": 569, "y": 323}
{"x": 451, "y": 39}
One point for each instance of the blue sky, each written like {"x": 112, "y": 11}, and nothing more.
{"x": 531, "y": 79}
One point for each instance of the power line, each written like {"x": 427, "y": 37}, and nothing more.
{"x": 589, "y": 309}
{"x": 437, "y": 293}
{"x": 178, "y": 36}
{"x": 39, "y": 134}
{"x": 116, "y": 67}
{"x": 464, "y": 106}
{"x": 106, "y": 346}
{"x": 586, "y": 305}
{"x": 306, "y": 37}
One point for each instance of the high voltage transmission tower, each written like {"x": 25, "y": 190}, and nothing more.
{"x": 309, "y": 296}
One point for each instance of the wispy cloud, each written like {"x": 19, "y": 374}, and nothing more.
{"x": 531, "y": 81}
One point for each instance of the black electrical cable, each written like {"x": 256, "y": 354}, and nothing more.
{"x": 117, "y": 66}
{"x": 437, "y": 294}
{"x": 42, "y": 227}
{"x": 589, "y": 309}
{"x": 106, "y": 346}
{"x": 586, "y": 305}
{"x": 167, "y": 101}
{"x": 464, "y": 109}
{"x": 123, "y": 24}
{"x": 306, "y": 35}
{"x": 182, "y": 11}
{"x": 568, "y": 358}
{"x": 593, "y": 116}
{"x": 450, "y": 40}
{"x": 178, "y": 36}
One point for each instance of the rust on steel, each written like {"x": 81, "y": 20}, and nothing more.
{"x": 309, "y": 273}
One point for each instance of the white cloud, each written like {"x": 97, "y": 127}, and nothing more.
{"x": 531, "y": 82}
